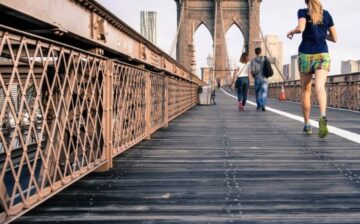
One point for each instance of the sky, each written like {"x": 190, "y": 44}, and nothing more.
{"x": 277, "y": 17}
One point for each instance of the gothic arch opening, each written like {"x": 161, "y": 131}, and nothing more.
{"x": 217, "y": 14}
{"x": 235, "y": 45}
{"x": 203, "y": 43}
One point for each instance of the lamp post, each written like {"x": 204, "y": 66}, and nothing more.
{"x": 210, "y": 63}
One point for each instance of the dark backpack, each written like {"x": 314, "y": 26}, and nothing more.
{"x": 267, "y": 69}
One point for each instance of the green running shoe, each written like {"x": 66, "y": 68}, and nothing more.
{"x": 323, "y": 130}
{"x": 307, "y": 129}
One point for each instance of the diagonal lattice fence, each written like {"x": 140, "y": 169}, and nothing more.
{"x": 65, "y": 112}
{"x": 343, "y": 91}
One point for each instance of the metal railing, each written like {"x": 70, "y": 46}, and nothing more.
{"x": 66, "y": 112}
{"x": 343, "y": 91}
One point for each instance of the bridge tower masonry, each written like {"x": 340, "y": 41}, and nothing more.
{"x": 218, "y": 16}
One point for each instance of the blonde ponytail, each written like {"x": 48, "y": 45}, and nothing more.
{"x": 315, "y": 11}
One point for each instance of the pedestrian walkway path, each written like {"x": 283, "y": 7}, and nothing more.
{"x": 215, "y": 164}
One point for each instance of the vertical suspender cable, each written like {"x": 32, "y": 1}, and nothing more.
{"x": 266, "y": 47}
{"x": 178, "y": 30}
{"x": 227, "y": 52}
{"x": 214, "y": 45}
{"x": 224, "y": 33}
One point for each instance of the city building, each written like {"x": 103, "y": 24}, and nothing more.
{"x": 286, "y": 71}
{"x": 294, "y": 70}
{"x": 148, "y": 25}
{"x": 350, "y": 66}
{"x": 275, "y": 48}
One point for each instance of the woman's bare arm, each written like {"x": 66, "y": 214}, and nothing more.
{"x": 299, "y": 29}
{"x": 332, "y": 36}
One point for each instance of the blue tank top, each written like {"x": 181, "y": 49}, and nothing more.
{"x": 314, "y": 36}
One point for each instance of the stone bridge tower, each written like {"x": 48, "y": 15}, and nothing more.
{"x": 218, "y": 16}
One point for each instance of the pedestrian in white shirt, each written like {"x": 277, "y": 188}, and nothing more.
{"x": 242, "y": 80}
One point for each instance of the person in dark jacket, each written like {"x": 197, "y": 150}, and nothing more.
{"x": 261, "y": 84}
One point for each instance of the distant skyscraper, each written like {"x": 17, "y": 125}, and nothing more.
{"x": 148, "y": 25}
{"x": 294, "y": 71}
{"x": 286, "y": 71}
{"x": 275, "y": 47}
{"x": 350, "y": 66}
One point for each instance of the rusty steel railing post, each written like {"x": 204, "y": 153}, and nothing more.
{"x": 148, "y": 105}
{"x": 107, "y": 117}
{"x": 166, "y": 103}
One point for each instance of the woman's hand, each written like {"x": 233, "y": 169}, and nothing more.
{"x": 299, "y": 29}
{"x": 290, "y": 34}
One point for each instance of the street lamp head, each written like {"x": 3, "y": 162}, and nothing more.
{"x": 209, "y": 60}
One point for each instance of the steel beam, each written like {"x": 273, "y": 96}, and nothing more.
{"x": 88, "y": 20}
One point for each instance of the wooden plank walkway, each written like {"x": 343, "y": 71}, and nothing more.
{"x": 215, "y": 164}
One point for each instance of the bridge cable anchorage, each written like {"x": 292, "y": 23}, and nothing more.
{"x": 178, "y": 30}
{"x": 282, "y": 92}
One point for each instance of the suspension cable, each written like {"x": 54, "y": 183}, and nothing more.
{"x": 266, "y": 47}
{"x": 214, "y": 47}
{"x": 224, "y": 33}
{"x": 178, "y": 29}
{"x": 226, "y": 48}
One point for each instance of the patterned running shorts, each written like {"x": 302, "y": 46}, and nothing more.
{"x": 309, "y": 63}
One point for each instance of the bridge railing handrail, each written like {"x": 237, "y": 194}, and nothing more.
{"x": 21, "y": 33}
{"x": 192, "y": 77}
{"x": 330, "y": 79}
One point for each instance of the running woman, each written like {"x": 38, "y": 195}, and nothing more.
{"x": 316, "y": 26}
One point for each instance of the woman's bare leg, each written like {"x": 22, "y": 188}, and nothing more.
{"x": 320, "y": 80}
{"x": 305, "y": 95}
